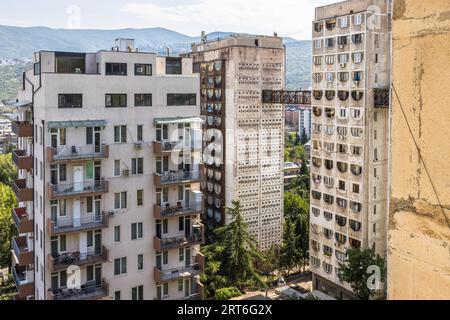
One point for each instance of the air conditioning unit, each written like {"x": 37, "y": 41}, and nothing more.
{"x": 139, "y": 145}
{"x": 343, "y": 65}
{"x": 126, "y": 172}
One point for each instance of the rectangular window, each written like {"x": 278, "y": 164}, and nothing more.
{"x": 136, "y": 231}
{"x": 356, "y": 188}
{"x": 374, "y": 209}
{"x": 140, "y": 198}
{"x": 116, "y": 168}
{"x": 37, "y": 68}
{"x": 70, "y": 100}
{"x": 137, "y": 165}
{"x": 120, "y": 134}
{"x": 117, "y": 295}
{"x": 115, "y": 69}
{"x": 180, "y": 285}
{"x": 140, "y": 132}
{"x": 173, "y": 66}
{"x": 120, "y": 266}
{"x": 181, "y": 254}
{"x": 137, "y": 293}
{"x": 181, "y": 99}
{"x": 142, "y": 69}
{"x": 115, "y": 100}
{"x": 62, "y": 172}
{"x": 120, "y": 200}
{"x": 180, "y": 223}
{"x": 117, "y": 234}
{"x": 143, "y": 100}
{"x": 66, "y": 62}
{"x": 374, "y": 228}
{"x": 140, "y": 262}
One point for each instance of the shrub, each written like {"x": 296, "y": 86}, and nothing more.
{"x": 227, "y": 293}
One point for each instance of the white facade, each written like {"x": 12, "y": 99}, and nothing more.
{"x": 304, "y": 121}
{"x": 108, "y": 196}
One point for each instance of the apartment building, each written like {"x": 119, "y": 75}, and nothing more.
{"x": 349, "y": 153}
{"x": 419, "y": 229}
{"x": 243, "y": 139}
{"x": 109, "y": 177}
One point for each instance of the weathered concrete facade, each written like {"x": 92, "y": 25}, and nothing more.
{"x": 419, "y": 233}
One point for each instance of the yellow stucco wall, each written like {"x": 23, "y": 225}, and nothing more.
{"x": 419, "y": 236}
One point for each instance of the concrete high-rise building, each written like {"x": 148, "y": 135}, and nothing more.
{"x": 350, "y": 74}
{"x": 419, "y": 230}
{"x": 304, "y": 121}
{"x": 109, "y": 177}
{"x": 243, "y": 138}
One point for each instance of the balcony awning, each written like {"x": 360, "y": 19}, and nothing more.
{"x": 76, "y": 124}
{"x": 15, "y": 103}
{"x": 177, "y": 120}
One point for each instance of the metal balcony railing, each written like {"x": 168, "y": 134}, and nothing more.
{"x": 88, "y": 291}
{"x": 69, "y": 189}
{"x": 167, "y": 211}
{"x": 64, "y": 153}
{"x": 86, "y": 222}
{"x": 176, "y": 177}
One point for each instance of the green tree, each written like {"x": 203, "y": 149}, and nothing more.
{"x": 227, "y": 293}
{"x": 290, "y": 255}
{"x": 8, "y": 171}
{"x": 296, "y": 210}
{"x": 7, "y": 227}
{"x": 304, "y": 137}
{"x": 241, "y": 250}
{"x": 356, "y": 271}
{"x": 232, "y": 259}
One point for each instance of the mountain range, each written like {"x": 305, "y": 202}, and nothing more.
{"x": 20, "y": 43}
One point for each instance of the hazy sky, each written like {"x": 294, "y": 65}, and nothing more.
{"x": 287, "y": 17}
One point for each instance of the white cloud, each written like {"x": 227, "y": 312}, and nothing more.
{"x": 286, "y": 17}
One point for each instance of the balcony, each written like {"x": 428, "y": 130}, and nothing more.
{"x": 23, "y": 280}
{"x": 88, "y": 291}
{"x": 192, "y": 270}
{"x": 62, "y": 190}
{"x": 176, "y": 177}
{"x": 167, "y": 146}
{"x": 22, "y": 129}
{"x": 21, "y": 191}
{"x": 86, "y": 222}
{"x": 197, "y": 237}
{"x": 63, "y": 261}
{"x": 22, "y": 160}
{"x": 180, "y": 209}
{"x": 24, "y": 223}
{"x": 22, "y": 253}
{"x": 65, "y": 153}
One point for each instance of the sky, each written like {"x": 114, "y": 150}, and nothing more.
{"x": 289, "y": 18}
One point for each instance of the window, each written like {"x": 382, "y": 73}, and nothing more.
{"x": 343, "y": 22}
{"x": 140, "y": 132}
{"x": 143, "y": 100}
{"x": 357, "y": 57}
{"x": 181, "y": 99}
{"x": 136, "y": 231}
{"x": 120, "y": 200}
{"x": 173, "y": 66}
{"x": 120, "y": 134}
{"x": 37, "y": 68}
{"x": 318, "y": 43}
{"x": 70, "y": 100}
{"x": 116, "y": 69}
{"x": 70, "y": 62}
{"x": 357, "y": 20}
{"x": 41, "y": 166}
{"x": 342, "y": 185}
{"x": 137, "y": 165}
{"x": 117, "y": 295}
{"x": 328, "y": 215}
{"x": 140, "y": 262}
{"x": 329, "y": 60}
{"x": 115, "y": 100}
{"x": 142, "y": 69}
{"x": 180, "y": 285}
{"x": 116, "y": 168}
{"x": 329, "y": 42}
{"x": 140, "y": 198}
{"x": 137, "y": 293}
{"x": 343, "y": 58}
{"x": 162, "y": 291}
{"x": 120, "y": 266}
{"x": 356, "y": 188}
{"x": 181, "y": 254}
{"x": 117, "y": 234}
{"x": 317, "y": 61}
